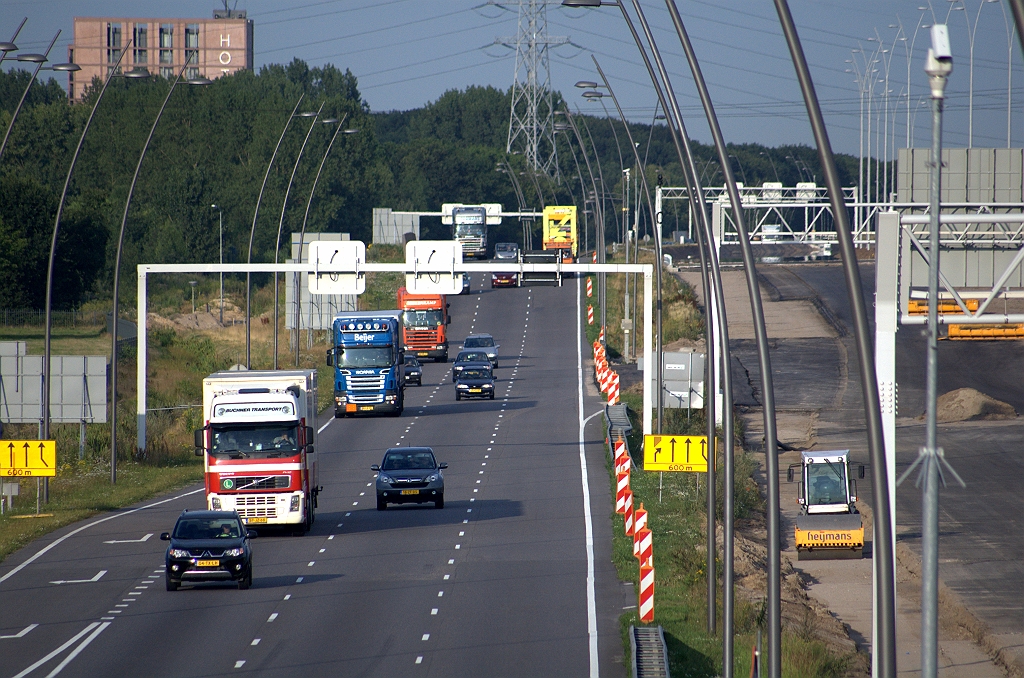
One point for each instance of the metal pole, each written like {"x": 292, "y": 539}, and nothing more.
{"x": 602, "y": 278}
{"x": 764, "y": 359}
{"x": 883, "y": 546}
{"x": 49, "y": 267}
{"x": 117, "y": 284}
{"x": 252, "y": 234}
{"x": 220, "y": 216}
{"x": 302, "y": 235}
{"x": 24, "y": 94}
{"x": 280, "y": 223}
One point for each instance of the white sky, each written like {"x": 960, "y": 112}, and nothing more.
{"x": 408, "y": 52}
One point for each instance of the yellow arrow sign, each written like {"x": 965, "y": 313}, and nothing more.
{"x": 676, "y": 453}
{"x": 28, "y": 458}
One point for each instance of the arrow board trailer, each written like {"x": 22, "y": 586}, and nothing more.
{"x": 829, "y": 526}
{"x": 259, "y": 446}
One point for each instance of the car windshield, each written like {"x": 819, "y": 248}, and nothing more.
{"x": 365, "y": 356}
{"x": 824, "y": 486}
{"x": 423, "y": 319}
{"x": 207, "y": 528}
{"x": 505, "y": 247}
{"x": 254, "y": 440}
{"x": 479, "y": 342}
{"x": 475, "y": 374}
{"x": 412, "y": 362}
{"x": 405, "y": 460}
{"x": 471, "y": 356}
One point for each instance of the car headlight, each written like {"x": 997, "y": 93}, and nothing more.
{"x": 180, "y": 553}
{"x": 215, "y": 503}
{"x": 462, "y": 386}
{"x": 433, "y": 477}
{"x": 384, "y": 478}
{"x": 488, "y": 385}
{"x": 234, "y": 553}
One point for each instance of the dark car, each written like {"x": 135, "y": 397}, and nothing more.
{"x": 413, "y": 371}
{"x": 208, "y": 546}
{"x": 409, "y": 475}
{"x": 474, "y": 382}
{"x": 485, "y": 343}
{"x": 465, "y": 284}
{"x": 476, "y": 356}
{"x": 505, "y": 279}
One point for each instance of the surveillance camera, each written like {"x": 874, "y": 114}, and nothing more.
{"x": 940, "y": 42}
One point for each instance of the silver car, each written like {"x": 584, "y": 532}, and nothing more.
{"x": 506, "y": 251}
{"x": 485, "y": 343}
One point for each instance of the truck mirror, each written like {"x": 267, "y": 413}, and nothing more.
{"x": 309, "y": 434}
{"x": 789, "y": 474}
{"x": 330, "y": 357}
{"x": 401, "y": 358}
{"x": 860, "y": 471}
{"x": 200, "y": 441}
{"x": 448, "y": 321}
{"x": 853, "y": 491}
{"x": 309, "y": 449}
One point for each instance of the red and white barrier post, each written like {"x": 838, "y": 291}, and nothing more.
{"x": 622, "y": 490}
{"x": 613, "y": 389}
{"x": 629, "y": 514}
{"x": 590, "y": 315}
{"x": 622, "y": 461}
{"x": 639, "y": 523}
{"x": 590, "y": 287}
{"x": 646, "y": 593}
{"x": 645, "y": 553}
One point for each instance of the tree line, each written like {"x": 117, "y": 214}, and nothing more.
{"x": 213, "y": 145}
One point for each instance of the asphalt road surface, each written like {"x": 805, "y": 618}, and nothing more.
{"x": 498, "y": 583}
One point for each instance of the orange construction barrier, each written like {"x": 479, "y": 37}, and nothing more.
{"x": 639, "y": 523}
{"x": 646, "y": 593}
{"x": 629, "y": 514}
{"x": 622, "y": 490}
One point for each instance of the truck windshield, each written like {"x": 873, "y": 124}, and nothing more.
{"x": 823, "y": 487}
{"x": 242, "y": 441}
{"x": 477, "y": 230}
{"x": 421, "y": 319}
{"x": 365, "y": 356}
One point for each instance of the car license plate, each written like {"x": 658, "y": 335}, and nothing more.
{"x": 208, "y": 563}
{"x": 476, "y": 390}
{"x": 366, "y": 408}
{"x": 410, "y": 491}
{"x": 254, "y": 521}
{"x": 422, "y": 354}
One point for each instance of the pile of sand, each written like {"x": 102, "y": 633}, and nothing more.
{"x": 967, "y": 404}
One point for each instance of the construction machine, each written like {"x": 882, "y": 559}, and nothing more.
{"x": 829, "y": 526}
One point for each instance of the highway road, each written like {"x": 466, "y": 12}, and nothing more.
{"x": 512, "y": 578}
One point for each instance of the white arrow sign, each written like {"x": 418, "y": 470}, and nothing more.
{"x": 21, "y": 633}
{"x": 80, "y": 581}
{"x": 129, "y": 541}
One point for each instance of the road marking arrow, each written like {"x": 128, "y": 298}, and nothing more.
{"x": 21, "y": 633}
{"x": 129, "y": 541}
{"x": 98, "y": 576}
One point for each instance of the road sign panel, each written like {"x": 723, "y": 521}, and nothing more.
{"x": 28, "y": 458}
{"x": 433, "y": 263}
{"x": 338, "y": 264}
{"x": 676, "y": 453}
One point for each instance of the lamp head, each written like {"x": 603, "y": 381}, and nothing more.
{"x": 584, "y": 84}
{"x": 306, "y": 114}
{"x": 581, "y": 3}
{"x": 66, "y": 68}
{"x": 8, "y": 47}
{"x": 593, "y": 94}
{"x": 137, "y": 74}
{"x": 329, "y": 121}
{"x": 32, "y": 58}
{"x": 200, "y": 81}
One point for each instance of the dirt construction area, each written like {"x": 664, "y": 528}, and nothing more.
{"x": 818, "y": 404}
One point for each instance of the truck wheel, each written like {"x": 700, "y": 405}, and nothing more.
{"x": 338, "y": 414}
{"x": 443, "y": 359}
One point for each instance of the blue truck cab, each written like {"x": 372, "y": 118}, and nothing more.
{"x": 368, "y": 363}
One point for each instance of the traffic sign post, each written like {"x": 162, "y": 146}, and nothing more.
{"x": 28, "y": 458}
{"x": 676, "y": 453}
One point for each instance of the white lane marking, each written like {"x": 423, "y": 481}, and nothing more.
{"x": 288, "y": 597}
{"x": 114, "y": 611}
{"x": 60, "y": 649}
{"x": 74, "y": 653}
{"x": 130, "y": 541}
{"x": 272, "y": 617}
{"x": 447, "y": 577}
{"x": 458, "y": 546}
{"x": 322, "y": 550}
{"x": 142, "y": 588}
{"x": 362, "y": 494}
{"x": 240, "y": 663}
{"x": 440, "y": 594}
{"x": 347, "y": 514}
{"x": 426, "y": 636}
{"x": 96, "y": 577}
{"x": 121, "y": 605}
{"x": 332, "y": 536}
{"x": 255, "y": 641}
{"x": 419, "y": 660}
{"x": 588, "y": 522}
{"x": 465, "y": 521}
{"x": 310, "y": 563}
{"x": 321, "y": 429}
{"x": 433, "y": 611}
{"x": 355, "y": 503}
{"x": 135, "y": 593}
{"x": 21, "y": 633}
{"x": 462, "y": 534}
{"x": 299, "y": 580}
{"x": 451, "y": 561}
{"x": 107, "y": 618}
{"x": 60, "y": 540}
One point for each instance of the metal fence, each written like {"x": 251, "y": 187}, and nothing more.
{"x": 17, "y": 317}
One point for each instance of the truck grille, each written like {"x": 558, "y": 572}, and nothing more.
{"x": 420, "y": 339}
{"x": 365, "y": 397}
{"x": 256, "y": 507}
{"x": 471, "y": 243}
{"x": 369, "y": 382}
{"x": 261, "y": 482}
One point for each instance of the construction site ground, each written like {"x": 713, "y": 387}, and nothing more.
{"x": 819, "y": 407}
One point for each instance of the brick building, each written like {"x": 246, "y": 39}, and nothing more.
{"x": 212, "y": 47}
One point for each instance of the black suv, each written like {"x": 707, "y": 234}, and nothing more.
{"x": 409, "y": 475}
{"x": 208, "y": 546}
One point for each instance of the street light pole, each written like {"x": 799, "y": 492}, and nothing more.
{"x": 39, "y": 60}
{"x": 117, "y": 267}
{"x": 220, "y": 219}
{"x": 49, "y": 267}
{"x": 284, "y": 206}
{"x": 252, "y": 235}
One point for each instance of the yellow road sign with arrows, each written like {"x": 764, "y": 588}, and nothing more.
{"x": 676, "y": 453}
{"x": 28, "y": 458}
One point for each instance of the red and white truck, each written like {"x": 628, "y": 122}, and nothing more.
{"x": 425, "y": 322}
{"x": 259, "y": 445}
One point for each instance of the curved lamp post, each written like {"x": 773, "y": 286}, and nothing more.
{"x": 38, "y": 60}
{"x": 53, "y": 251}
{"x": 220, "y": 220}
{"x": 137, "y": 74}
{"x": 252, "y": 234}
{"x": 9, "y": 46}
{"x": 284, "y": 205}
